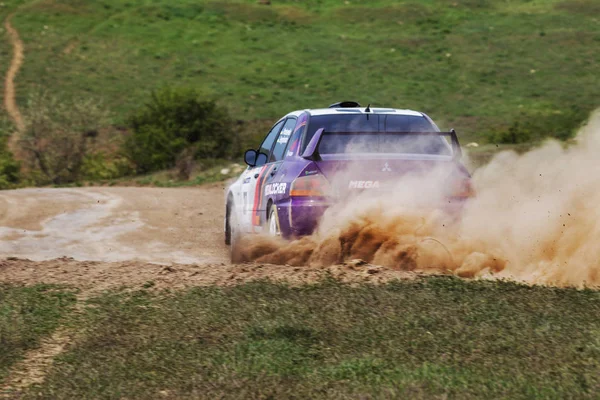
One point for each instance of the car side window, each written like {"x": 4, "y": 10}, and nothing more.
{"x": 267, "y": 144}
{"x": 282, "y": 140}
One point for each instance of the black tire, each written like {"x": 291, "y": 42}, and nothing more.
{"x": 228, "y": 223}
{"x": 234, "y": 236}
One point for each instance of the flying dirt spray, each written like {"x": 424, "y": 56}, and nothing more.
{"x": 535, "y": 218}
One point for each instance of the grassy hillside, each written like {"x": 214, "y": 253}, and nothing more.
{"x": 477, "y": 65}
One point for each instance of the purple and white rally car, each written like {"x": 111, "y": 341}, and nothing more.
{"x": 289, "y": 182}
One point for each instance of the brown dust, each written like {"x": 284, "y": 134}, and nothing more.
{"x": 535, "y": 218}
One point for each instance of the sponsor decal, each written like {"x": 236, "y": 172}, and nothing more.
{"x": 311, "y": 172}
{"x": 275, "y": 188}
{"x": 284, "y": 136}
{"x": 363, "y": 185}
{"x": 247, "y": 180}
{"x": 386, "y": 168}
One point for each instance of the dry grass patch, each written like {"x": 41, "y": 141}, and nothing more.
{"x": 389, "y": 14}
{"x": 584, "y": 7}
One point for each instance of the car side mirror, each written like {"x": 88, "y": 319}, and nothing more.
{"x": 261, "y": 159}
{"x": 253, "y": 158}
{"x": 250, "y": 157}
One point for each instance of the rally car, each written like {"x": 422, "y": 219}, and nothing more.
{"x": 289, "y": 182}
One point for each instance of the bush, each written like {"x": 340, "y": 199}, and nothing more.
{"x": 57, "y": 137}
{"x": 536, "y": 126}
{"x": 515, "y": 134}
{"x": 9, "y": 168}
{"x": 173, "y": 121}
{"x": 99, "y": 166}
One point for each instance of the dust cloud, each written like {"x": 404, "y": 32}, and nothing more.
{"x": 535, "y": 218}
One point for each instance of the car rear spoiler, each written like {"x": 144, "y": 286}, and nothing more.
{"x": 312, "y": 150}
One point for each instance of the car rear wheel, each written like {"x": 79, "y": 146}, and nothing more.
{"x": 274, "y": 229}
{"x": 232, "y": 234}
{"x": 228, "y": 210}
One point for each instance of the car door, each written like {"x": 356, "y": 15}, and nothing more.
{"x": 267, "y": 181}
{"x": 254, "y": 176}
{"x": 272, "y": 185}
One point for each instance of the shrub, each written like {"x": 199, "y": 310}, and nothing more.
{"x": 516, "y": 133}
{"x": 57, "y": 137}
{"x": 9, "y": 168}
{"x": 173, "y": 121}
{"x": 537, "y": 126}
{"x": 99, "y": 166}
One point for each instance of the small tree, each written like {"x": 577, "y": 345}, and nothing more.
{"x": 173, "y": 121}
{"x": 57, "y": 135}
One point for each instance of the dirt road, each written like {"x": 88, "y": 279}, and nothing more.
{"x": 114, "y": 224}
{"x": 102, "y": 238}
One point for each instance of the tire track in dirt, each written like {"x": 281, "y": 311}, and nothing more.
{"x": 10, "y": 103}
{"x": 36, "y": 363}
{"x": 96, "y": 277}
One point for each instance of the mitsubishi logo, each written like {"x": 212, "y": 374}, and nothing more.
{"x": 386, "y": 168}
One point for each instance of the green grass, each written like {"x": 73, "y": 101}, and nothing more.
{"x": 205, "y": 172}
{"x": 27, "y": 314}
{"x": 220, "y": 171}
{"x": 431, "y": 338}
{"x": 480, "y": 66}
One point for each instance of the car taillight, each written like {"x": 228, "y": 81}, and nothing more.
{"x": 462, "y": 188}
{"x": 313, "y": 185}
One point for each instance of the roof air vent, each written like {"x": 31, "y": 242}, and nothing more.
{"x": 345, "y": 104}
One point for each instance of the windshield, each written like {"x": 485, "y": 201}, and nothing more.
{"x": 360, "y": 123}
{"x": 384, "y": 143}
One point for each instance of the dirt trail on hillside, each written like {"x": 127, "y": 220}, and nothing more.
{"x": 10, "y": 102}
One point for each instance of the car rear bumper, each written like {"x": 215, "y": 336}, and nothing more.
{"x": 300, "y": 216}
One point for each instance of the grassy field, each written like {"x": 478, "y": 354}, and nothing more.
{"x": 202, "y": 174}
{"x": 430, "y": 338}
{"x": 480, "y": 66}
{"x": 28, "y": 314}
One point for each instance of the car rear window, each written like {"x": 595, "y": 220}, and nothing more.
{"x": 365, "y": 123}
{"x": 384, "y": 143}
